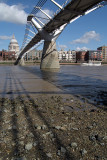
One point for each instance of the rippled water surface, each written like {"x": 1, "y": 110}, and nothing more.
{"x": 85, "y": 81}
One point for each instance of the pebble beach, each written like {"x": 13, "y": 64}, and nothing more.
{"x": 57, "y": 127}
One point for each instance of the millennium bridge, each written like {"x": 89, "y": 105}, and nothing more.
{"x": 46, "y": 29}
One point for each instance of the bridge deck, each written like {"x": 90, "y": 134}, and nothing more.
{"x": 71, "y": 11}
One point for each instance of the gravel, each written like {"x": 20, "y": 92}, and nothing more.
{"x": 44, "y": 128}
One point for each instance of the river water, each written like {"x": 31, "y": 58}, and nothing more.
{"x": 82, "y": 81}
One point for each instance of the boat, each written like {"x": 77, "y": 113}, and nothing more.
{"x": 92, "y": 63}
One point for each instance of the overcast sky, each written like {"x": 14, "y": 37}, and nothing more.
{"x": 88, "y": 32}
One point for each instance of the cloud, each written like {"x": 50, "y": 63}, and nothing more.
{"x": 82, "y": 49}
{"x": 62, "y": 47}
{"x": 13, "y": 14}
{"x": 87, "y": 37}
{"x": 5, "y": 37}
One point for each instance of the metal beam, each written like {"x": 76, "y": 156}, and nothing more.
{"x": 58, "y": 5}
{"x": 39, "y": 21}
{"x": 29, "y": 36}
{"x": 36, "y": 24}
{"x": 44, "y": 13}
{"x": 30, "y": 31}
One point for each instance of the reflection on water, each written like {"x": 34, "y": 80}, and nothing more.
{"x": 86, "y": 81}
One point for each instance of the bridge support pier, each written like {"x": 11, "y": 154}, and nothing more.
{"x": 21, "y": 62}
{"x": 49, "y": 56}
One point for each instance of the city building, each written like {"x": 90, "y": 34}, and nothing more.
{"x": 7, "y": 55}
{"x": 67, "y": 56}
{"x": 93, "y": 55}
{"x": 33, "y": 55}
{"x": 103, "y": 49}
{"x": 81, "y": 56}
{"x": 13, "y": 45}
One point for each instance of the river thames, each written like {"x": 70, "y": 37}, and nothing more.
{"x": 82, "y": 81}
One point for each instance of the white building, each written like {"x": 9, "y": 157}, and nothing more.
{"x": 33, "y": 54}
{"x": 13, "y": 45}
{"x": 69, "y": 56}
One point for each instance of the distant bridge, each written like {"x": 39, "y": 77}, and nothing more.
{"x": 49, "y": 28}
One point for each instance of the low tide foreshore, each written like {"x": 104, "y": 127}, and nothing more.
{"x": 54, "y": 127}
{"x": 39, "y": 121}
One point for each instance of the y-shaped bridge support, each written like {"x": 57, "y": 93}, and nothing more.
{"x": 50, "y": 55}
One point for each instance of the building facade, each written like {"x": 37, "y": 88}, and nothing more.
{"x": 33, "y": 55}
{"x": 81, "y": 56}
{"x": 67, "y": 56}
{"x": 85, "y": 56}
{"x": 93, "y": 55}
{"x": 6, "y": 55}
{"x": 103, "y": 49}
{"x": 13, "y": 45}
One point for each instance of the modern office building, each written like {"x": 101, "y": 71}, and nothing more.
{"x": 93, "y": 55}
{"x": 103, "y": 49}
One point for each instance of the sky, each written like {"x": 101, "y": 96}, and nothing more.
{"x": 88, "y": 32}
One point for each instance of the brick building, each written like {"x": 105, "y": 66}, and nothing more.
{"x": 81, "y": 56}
{"x": 92, "y": 55}
{"x": 7, "y": 55}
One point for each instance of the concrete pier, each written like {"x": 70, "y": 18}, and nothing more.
{"x": 21, "y": 62}
{"x": 49, "y": 56}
